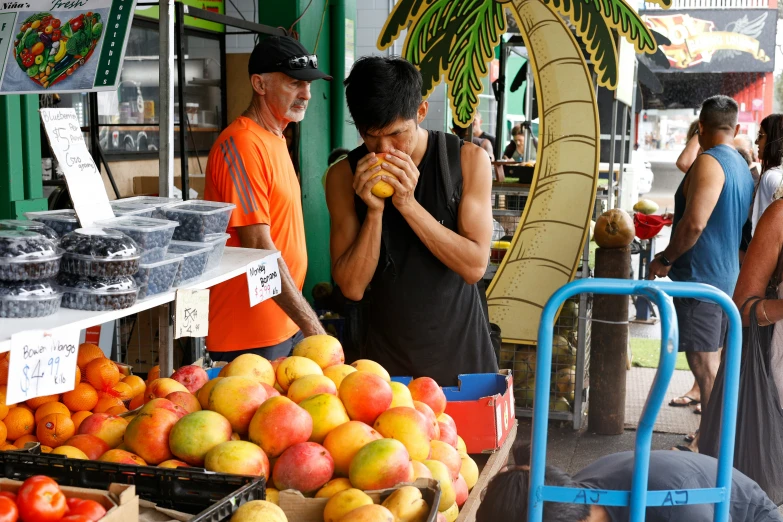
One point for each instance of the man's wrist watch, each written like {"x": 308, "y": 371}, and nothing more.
{"x": 664, "y": 260}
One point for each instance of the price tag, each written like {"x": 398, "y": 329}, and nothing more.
{"x": 43, "y": 362}
{"x": 83, "y": 178}
{"x": 191, "y": 313}
{"x": 263, "y": 279}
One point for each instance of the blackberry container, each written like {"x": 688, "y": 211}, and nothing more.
{"x": 95, "y": 252}
{"x": 152, "y": 235}
{"x": 27, "y": 256}
{"x": 61, "y": 221}
{"x": 151, "y": 202}
{"x": 157, "y": 278}
{"x": 97, "y": 293}
{"x": 28, "y": 299}
{"x": 29, "y": 225}
{"x": 218, "y": 242}
{"x": 194, "y": 260}
{"x": 129, "y": 209}
{"x": 199, "y": 219}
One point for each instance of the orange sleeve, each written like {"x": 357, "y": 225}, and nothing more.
{"x": 245, "y": 179}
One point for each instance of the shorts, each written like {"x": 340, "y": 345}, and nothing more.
{"x": 702, "y": 325}
{"x": 269, "y": 353}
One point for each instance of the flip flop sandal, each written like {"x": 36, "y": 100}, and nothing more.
{"x": 680, "y": 447}
{"x": 697, "y": 410}
{"x": 687, "y": 401}
{"x": 691, "y": 437}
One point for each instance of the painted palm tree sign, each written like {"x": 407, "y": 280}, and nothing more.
{"x": 456, "y": 39}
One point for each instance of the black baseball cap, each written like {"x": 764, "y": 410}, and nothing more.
{"x": 286, "y": 55}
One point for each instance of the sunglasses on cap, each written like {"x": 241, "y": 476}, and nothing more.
{"x": 300, "y": 62}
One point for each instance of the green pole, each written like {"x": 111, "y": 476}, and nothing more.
{"x": 343, "y": 55}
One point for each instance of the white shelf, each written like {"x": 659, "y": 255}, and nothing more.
{"x": 233, "y": 264}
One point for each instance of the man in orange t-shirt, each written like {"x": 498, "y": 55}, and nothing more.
{"x": 249, "y": 166}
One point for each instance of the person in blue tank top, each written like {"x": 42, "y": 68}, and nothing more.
{"x": 710, "y": 208}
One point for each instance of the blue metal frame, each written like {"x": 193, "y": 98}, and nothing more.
{"x": 638, "y": 498}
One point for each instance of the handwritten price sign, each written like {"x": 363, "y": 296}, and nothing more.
{"x": 191, "y": 313}
{"x": 263, "y": 279}
{"x": 63, "y": 129}
{"x": 42, "y": 363}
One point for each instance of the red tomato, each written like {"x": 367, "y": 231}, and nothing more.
{"x": 56, "y": 23}
{"x": 8, "y": 510}
{"x": 75, "y": 518}
{"x": 76, "y": 24}
{"x": 88, "y": 508}
{"x": 40, "y": 500}
{"x": 8, "y": 494}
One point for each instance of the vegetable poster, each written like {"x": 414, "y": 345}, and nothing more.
{"x": 62, "y": 45}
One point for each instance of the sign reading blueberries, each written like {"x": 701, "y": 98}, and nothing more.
{"x": 191, "y": 313}
{"x": 263, "y": 279}
{"x": 82, "y": 176}
{"x": 43, "y": 362}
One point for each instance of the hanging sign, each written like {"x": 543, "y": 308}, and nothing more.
{"x": 263, "y": 279}
{"x": 43, "y": 362}
{"x": 81, "y": 175}
{"x": 191, "y": 313}
{"x": 62, "y": 45}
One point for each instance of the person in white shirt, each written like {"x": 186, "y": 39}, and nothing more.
{"x": 770, "y": 187}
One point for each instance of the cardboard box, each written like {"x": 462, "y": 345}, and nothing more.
{"x": 120, "y": 501}
{"x": 301, "y": 509}
{"x": 148, "y": 185}
{"x": 482, "y": 406}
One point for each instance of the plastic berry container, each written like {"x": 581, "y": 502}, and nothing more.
{"x": 199, "y": 219}
{"x": 194, "y": 260}
{"x": 95, "y": 252}
{"x": 122, "y": 209}
{"x": 152, "y": 235}
{"x": 155, "y": 203}
{"x": 32, "y": 226}
{"x": 27, "y": 256}
{"x": 218, "y": 242}
{"x": 157, "y": 278}
{"x": 97, "y": 294}
{"x": 28, "y": 299}
{"x": 61, "y": 221}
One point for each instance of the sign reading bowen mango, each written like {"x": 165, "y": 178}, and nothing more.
{"x": 712, "y": 40}
{"x": 62, "y": 45}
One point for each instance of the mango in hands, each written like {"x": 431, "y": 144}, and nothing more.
{"x": 381, "y": 189}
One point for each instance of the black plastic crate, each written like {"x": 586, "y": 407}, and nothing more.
{"x": 225, "y": 508}
{"x": 182, "y": 489}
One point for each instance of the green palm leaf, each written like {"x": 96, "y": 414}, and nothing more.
{"x": 594, "y": 31}
{"x": 403, "y": 13}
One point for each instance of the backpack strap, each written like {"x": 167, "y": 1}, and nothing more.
{"x": 450, "y": 166}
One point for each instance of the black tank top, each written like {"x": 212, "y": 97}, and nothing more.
{"x": 425, "y": 320}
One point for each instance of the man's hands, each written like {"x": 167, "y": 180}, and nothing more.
{"x": 362, "y": 184}
{"x": 657, "y": 269}
{"x": 405, "y": 176}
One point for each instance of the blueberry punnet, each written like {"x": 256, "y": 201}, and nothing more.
{"x": 97, "y": 293}
{"x": 27, "y": 256}
{"x": 156, "y": 278}
{"x": 96, "y": 252}
{"x": 198, "y": 219}
{"x": 152, "y": 235}
{"x": 28, "y": 299}
{"x": 194, "y": 260}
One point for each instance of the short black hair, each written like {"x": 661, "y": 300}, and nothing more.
{"x": 507, "y": 493}
{"x": 380, "y": 90}
{"x": 719, "y": 113}
{"x": 335, "y": 155}
{"x": 772, "y": 154}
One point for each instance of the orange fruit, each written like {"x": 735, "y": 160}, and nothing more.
{"x": 82, "y": 398}
{"x": 19, "y": 421}
{"x": 3, "y": 432}
{"x": 136, "y": 383}
{"x": 154, "y": 373}
{"x": 78, "y": 417}
{"x": 136, "y": 402}
{"x": 106, "y": 401}
{"x": 55, "y": 429}
{"x": 87, "y": 353}
{"x": 3, "y": 406}
{"x": 46, "y": 449}
{"x": 8, "y": 447}
{"x": 5, "y": 359}
{"x": 24, "y": 439}
{"x": 116, "y": 410}
{"x": 122, "y": 391}
{"x": 49, "y": 408}
{"x": 78, "y": 377}
{"x": 102, "y": 374}
{"x": 40, "y": 401}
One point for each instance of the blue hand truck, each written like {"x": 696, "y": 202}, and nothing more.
{"x": 639, "y": 498}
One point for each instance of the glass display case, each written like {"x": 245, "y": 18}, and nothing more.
{"x": 129, "y": 117}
